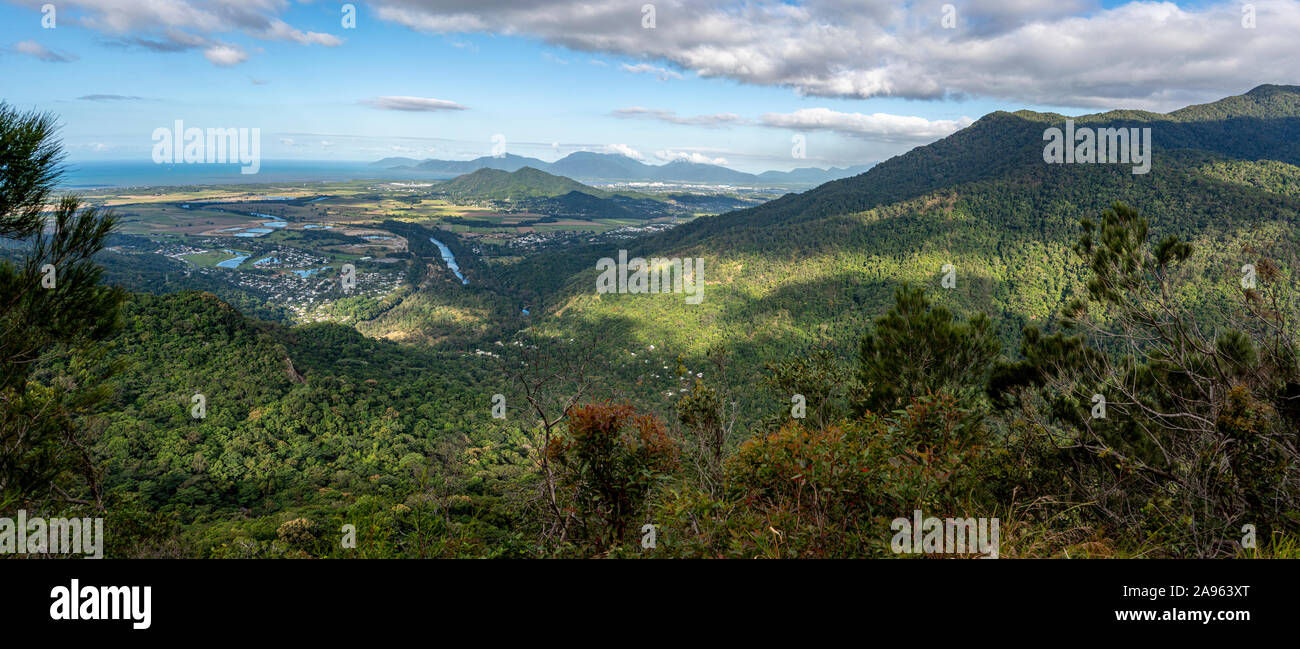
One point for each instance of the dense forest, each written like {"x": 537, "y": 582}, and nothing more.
{"x": 1106, "y": 362}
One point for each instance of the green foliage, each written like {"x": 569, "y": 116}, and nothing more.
{"x": 822, "y": 492}
{"x": 917, "y": 349}
{"x": 1174, "y": 422}
{"x": 818, "y": 377}
{"x": 607, "y": 464}
{"x": 52, "y": 310}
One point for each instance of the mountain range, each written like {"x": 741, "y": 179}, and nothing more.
{"x": 302, "y": 418}
{"x": 588, "y": 165}
{"x": 815, "y": 267}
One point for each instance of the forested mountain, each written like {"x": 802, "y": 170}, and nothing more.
{"x": 526, "y": 182}
{"x": 815, "y": 266}
{"x": 934, "y": 312}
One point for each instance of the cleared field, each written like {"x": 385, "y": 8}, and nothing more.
{"x": 149, "y": 219}
{"x": 211, "y": 258}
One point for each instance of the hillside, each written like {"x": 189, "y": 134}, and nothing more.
{"x": 524, "y": 183}
{"x": 311, "y": 417}
{"x": 814, "y": 268}
{"x": 330, "y": 424}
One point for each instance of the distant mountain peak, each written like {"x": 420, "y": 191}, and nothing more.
{"x": 597, "y": 165}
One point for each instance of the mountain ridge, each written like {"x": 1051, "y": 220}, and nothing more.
{"x": 590, "y": 165}
{"x": 817, "y": 265}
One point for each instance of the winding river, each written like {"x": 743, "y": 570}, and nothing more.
{"x": 450, "y": 259}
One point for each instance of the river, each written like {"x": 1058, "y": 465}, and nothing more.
{"x": 450, "y": 259}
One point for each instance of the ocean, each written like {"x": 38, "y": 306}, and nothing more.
{"x": 132, "y": 173}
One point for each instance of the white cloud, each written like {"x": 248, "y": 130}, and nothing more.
{"x": 669, "y": 155}
{"x": 715, "y": 120}
{"x": 621, "y": 149}
{"x": 413, "y": 104}
{"x": 1146, "y": 54}
{"x": 882, "y": 126}
{"x": 282, "y": 31}
{"x": 225, "y": 55}
{"x": 662, "y": 74}
{"x": 32, "y": 48}
{"x": 183, "y": 25}
{"x": 288, "y": 141}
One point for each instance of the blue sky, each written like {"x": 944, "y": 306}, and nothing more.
{"x": 553, "y": 83}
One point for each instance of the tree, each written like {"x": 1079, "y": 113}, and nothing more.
{"x": 53, "y": 314}
{"x": 709, "y": 414}
{"x": 607, "y": 463}
{"x": 1173, "y": 418}
{"x": 917, "y": 349}
{"x": 819, "y": 378}
{"x": 553, "y": 376}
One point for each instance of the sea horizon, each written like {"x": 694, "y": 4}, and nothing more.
{"x": 106, "y": 174}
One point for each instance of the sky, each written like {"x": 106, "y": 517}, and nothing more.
{"x": 720, "y": 81}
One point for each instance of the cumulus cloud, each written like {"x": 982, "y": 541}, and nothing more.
{"x": 881, "y": 126}
{"x": 32, "y": 48}
{"x": 413, "y": 104}
{"x": 225, "y": 55}
{"x": 669, "y": 155}
{"x": 620, "y": 149}
{"x": 1063, "y": 52}
{"x": 184, "y": 25}
{"x": 713, "y": 121}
